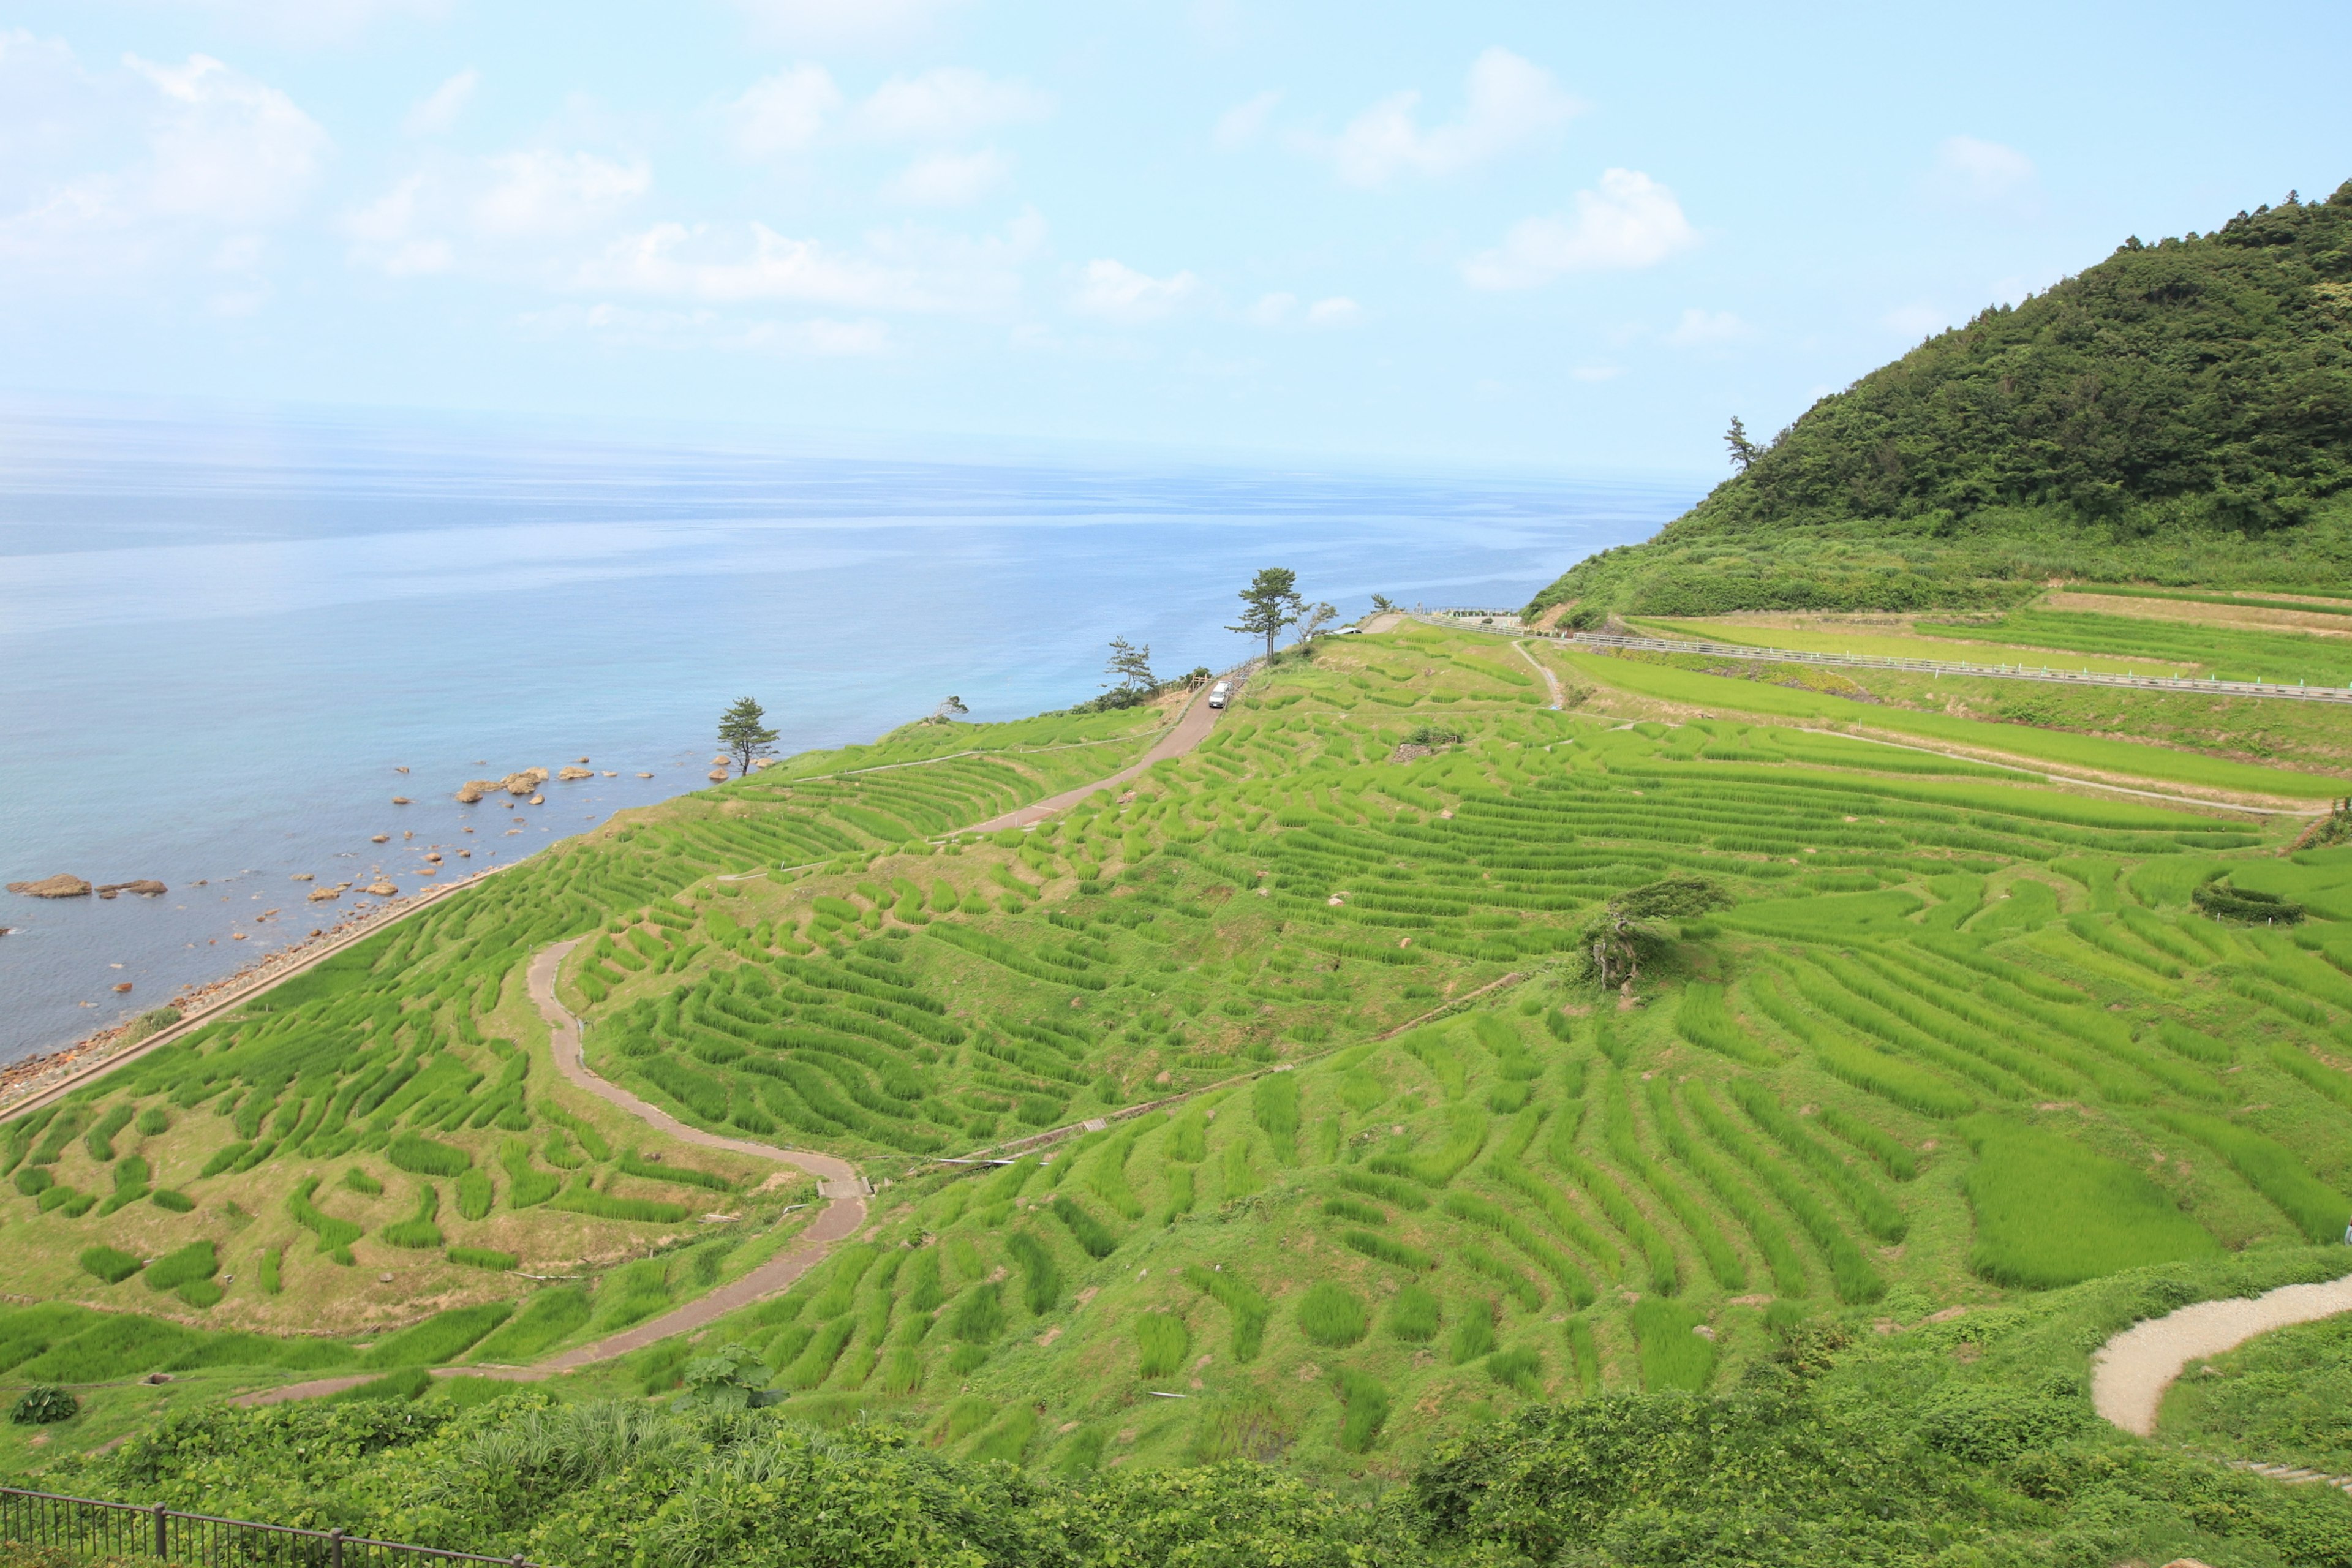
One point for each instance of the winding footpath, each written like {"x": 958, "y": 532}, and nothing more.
{"x": 842, "y": 1191}
{"x": 2130, "y": 1372}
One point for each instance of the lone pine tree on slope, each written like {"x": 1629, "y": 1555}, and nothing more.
{"x": 1270, "y": 603}
{"x": 741, "y": 730}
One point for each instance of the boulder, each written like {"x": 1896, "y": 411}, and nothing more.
{"x": 303, "y": 876}
{"x": 718, "y": 761}
{"x": 146, "y": 888}
{"x": 121, "y": 985}
{"x": 611, "y": 776}
{"x": 525, "y": 782}
{"x": 382, "y": 889}
{"x": 644, "y": 776}
{"x": 473, "y": 789}
{"x": 379, "y": 838}
{"x": 400, "y": 800}
{"x": 719, "y": 776}
{"x": 539, "y": 800}
{"x": 58, "y": 887}
{"x": 435, "y": 857}
{"x": 324, "y": 895}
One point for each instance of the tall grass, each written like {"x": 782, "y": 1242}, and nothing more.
{"x": 1161, "y": 1341}
{"x": 1672, "y": 1356}
{"x": 1331, "y": 1316}
{"x": 1519, "y": 1369}
{"x": 1473, "y": 1333}
{"x": 1386, "y": 1188}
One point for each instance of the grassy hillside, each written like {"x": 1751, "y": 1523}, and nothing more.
{"x": 2181, "y": 413}
{"x": 1930, "y": 1076}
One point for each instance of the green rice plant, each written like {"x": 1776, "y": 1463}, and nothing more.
{"x": 422, "y": 1156}
{"x": 485, "y": 1257}
{"x": 1275, "y": 1100}
{"x": 1473, "y": 1333}
{"x": 978, "y": 1315}
{"x": 2049, "y": 1212}
{"x": 1763, "y": 1226}
{"x": 418, "y": 1232}
{"x": 154, "y": 1121}
{"x": 1431, "y": 1047}
{"x": 822, "y": 1351}
{"x": 360, "y": 1182}
{"x": 440, "y": 1338}
{"x": 1625, "y": 1145}
{"x": 1097, "y": 1238}
{"x": 1161, "y": 1343}
{"x": 1850, "y": 1273}
{"x": 1180, "y": 1195}
{"x": 581, "y": 1198}
{"x": 1240, "y": 1178}
{"x": 1349, "y": 1209}
{"x": 1478, "y": 1260}
{"x": 1874, "y": 1208}
{"x": 1672, "y": 1355}
{"x": 1247, "y": 1307}
{"x": 1041, "y": 1279}
{"x": 1510, "y": 1052}
{"x": 335, "y": 1235}
{"x": 1873, "y": 1071}
{"x": 1388, "y": 1250}
{"x": 527, "y": 1187}
{"x": 1896, "y": 1159}
{"x": 1584, "y": 1356}
{"x": 1367, "y": 1410}
{"x": 1657, "y": 1253}
{"x": 1386, "y": 1188}
{"x": 1502, "y": 1222}
{"x": 100, "y": 1140}
{"x": 272, "y": 1262}
{"x": 1702, "y": 1019}
{"x": 838, "y": 1292}
{"x": 2166, "y": 938}
{"x": 580, "y": 1127}
{"x": 474, "y": 1194}
{"x": 1466, "y": 1135}
{"x": 2194, "y": 1044}
{"x": 1362, "y": 1091}
{"x": 1329, "y": 1315}
{"x": 1007, "y": 1438}
{"x": 1821, "y": 989}
{"x": 2315, "y": 1074}
{"x": 1413, "y": 1316}
{"x": 109, "y": 1264}
{"x": 2270, "y": 1169}
{"x": 1519, "y": 1369}
{"x": 1187, "y": 1137}
{"x": 923, "y": 1287}
{"x": 408, "y": 1382}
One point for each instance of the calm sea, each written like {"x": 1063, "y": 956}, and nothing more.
{"x": 221, "y": 635}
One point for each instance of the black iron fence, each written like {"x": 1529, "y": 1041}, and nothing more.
{"x": 85, "y": 1527}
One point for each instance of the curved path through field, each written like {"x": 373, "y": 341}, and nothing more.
{"x": 2130, "y": 1372}
{"x": 839, "y": 1185}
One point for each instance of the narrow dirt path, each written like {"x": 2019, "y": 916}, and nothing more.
{"x": 1552, "y": 681}
{"x": 2130, "y": 1372}
{"x": 1192, "y": 728}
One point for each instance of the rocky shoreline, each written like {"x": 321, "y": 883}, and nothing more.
{"x": 31, "y": 1075}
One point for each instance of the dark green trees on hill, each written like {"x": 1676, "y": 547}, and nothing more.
{"x": 2178, "y": 412}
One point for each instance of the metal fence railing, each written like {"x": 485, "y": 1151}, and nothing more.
{"x": 86, "y": 1527}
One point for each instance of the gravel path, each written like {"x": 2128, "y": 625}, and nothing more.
{"x": 1191, "y": 726}
{"x": 2131, "y": 1372}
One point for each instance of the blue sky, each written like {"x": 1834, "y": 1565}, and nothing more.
{"x": 1566, "y": 236}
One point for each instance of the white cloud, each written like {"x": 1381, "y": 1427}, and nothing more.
{"x": 1272, "y": 309}
{"x": 1970, "y": 173}
{"x": 784, "y": 112}
{"x": 435, "y": 114}
{"x": 1510, "y": 101}
{"x": 541, "y": 193}
{"x": 146, "y": 167}
{"x": 946, "y": 104}
{"x": 844, "y": 23}
{"x": 1242, "y": 124}
{"x": 1114, "y": 291}
{"x": 1337, "y": 312}
{"x": 1708, "y": 329}
{"x": 225, "y": 147}
{"x": 949, "y": 179}
{"x": 905, "y": 269}
{"x": 1631, "y": 222}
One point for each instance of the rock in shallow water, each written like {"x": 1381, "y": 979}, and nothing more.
{"x": 58, "y": 887}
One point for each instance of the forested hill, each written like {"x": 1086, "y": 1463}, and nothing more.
{"x": 2181, "y": 412}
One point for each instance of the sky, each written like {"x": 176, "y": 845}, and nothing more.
{"x": 1565, "y": 236}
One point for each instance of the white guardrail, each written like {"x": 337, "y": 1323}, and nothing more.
{"x": 1605, "y": 644}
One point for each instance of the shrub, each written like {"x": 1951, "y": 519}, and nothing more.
{"x": 42, "y": 1405}
{"x": 421, "y": 1156}
{"x": 1413, "y": 1316}
{"x": 194, "y": 1261}
{"x": 110, "y": 1265}
{"x": 1329, "y": 1315}
{"x": 1163, "y": 1341}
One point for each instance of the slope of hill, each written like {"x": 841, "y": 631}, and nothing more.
{"x": 2180, "y": 413}
{"x": 1369, "y": 1140}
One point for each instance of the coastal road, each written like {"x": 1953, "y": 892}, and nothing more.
{"x": 1192, "y": 728}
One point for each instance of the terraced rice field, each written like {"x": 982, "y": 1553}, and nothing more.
{"x": 1354, "y": 1149}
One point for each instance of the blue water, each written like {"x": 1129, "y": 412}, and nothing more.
{"x": 220, "y": 634}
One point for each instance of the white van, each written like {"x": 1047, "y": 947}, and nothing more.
{"x": 1219, "y": 692}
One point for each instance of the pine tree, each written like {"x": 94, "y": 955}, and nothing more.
{"x": 743, "y": 732}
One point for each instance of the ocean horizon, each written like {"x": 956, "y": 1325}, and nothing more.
{"x": 231, "y": 636}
